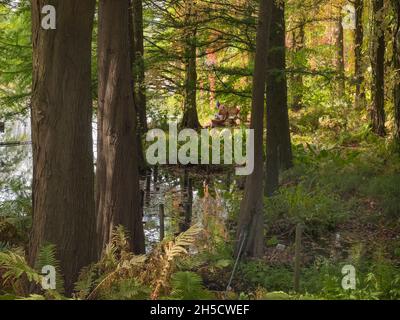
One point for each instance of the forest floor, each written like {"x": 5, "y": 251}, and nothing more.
{"x": 345, "y": 190}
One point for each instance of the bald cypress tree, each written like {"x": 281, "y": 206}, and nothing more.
{"x": 118, "y": 200}
{"x": 63, "y": 196}
{"x": 250, "y": 230}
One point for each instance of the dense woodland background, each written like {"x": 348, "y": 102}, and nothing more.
{"x": 317, "y": 80}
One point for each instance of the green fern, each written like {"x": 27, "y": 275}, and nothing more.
{"x": 47, "y": 257}
{"x": 4, "y": 246}
{"x": 86, "y": 281}
{"x": 116, "y": 264}
{"x": 15, "y": 266}
{"x": 128, "y": 289}
{"x": 188, "y": 286}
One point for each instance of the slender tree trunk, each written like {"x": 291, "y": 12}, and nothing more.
{"x": 340, "y": 66}
{"x": 279, "y": 149}
{"x": 378, "y": 71}
{"x": 396, "y": 64}
{"x": 190, "y": 117}
{"x": 251, "y": 220}
{"x": 298, "y": 39}
{"x": 139, "y": 67}
{"x": 360, "y": 100}
{"x": 187, "y": 202}
{"x": 212, "y": 61}
{"x": 118, "y": 200}
{"x": 63, "y": 195}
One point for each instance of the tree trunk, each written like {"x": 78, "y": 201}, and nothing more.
{"x": 360, "y": 100}
{"x": 279, "y": 149}
{"x": 250, "y": 230}
{"x": 63, "y": 195}
{"x": 340, "y": 66}
{"x": 396, "y": 64}
{"x": 138, "y": 66}
{"x": 138, "y": 77}
{"x": 378, "y": 70}
{"x": 190, "y": 117}
{"x": 298, "y": 39}
{"x": 185, "y": 218}
{"x": 118, "y": 200}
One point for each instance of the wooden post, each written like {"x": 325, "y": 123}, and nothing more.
{"x": 161, "y": 217}
{"x": 148, "y": 186}
{"x": 155, "y": 179}
{"x": 297, "y": 263}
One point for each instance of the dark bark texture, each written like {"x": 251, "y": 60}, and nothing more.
{"x": 250, "y": 230}
{"x": 279, "y": 149}
{"x": 138, "y": 63}
{"x": 118, "y": 196}
{"x": 298, "y": 44}
{"x": 396, "y": 64}
{"x": 360, "y": 100}
{"x": 378, "y": 71}
{"x": 63, "y": 195}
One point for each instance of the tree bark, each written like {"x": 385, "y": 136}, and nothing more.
{"x": 298, "y": 40}
{"x": 118, "y": 200}
{"x": 378, "y": 70}
{"x": 138, "y": 77}
{"x": 63, "y": 195}
{"x": 251, "y": 220}
{"x": 340, "y": 66}
{"x": 279, "y": 149}
{"x": 138, "y": 64}
{"x": 396, "y": 64}
{"x": 360, "y": 100}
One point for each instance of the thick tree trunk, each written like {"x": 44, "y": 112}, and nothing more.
{"x": 378, "y": 71}
{"x": 279, "y": 149}
{"x": 250, "y": 230}
{"x": 340, "y": 66}
{"x": 190, "y": 117}
{"x": 360, "y": 100}
{"x": 118, "y": 200}
{"x": 138, "y": 64}
{"x": 63, "y": 195}
{"x": 396, "y": 64}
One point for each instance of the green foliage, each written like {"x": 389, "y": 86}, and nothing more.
{"x": 315, "y": 209}
{"x": 386, "y": 189}
{"x": 17, "y": 270}
{"x": 47, "y": 257}
{"x": 128, "y": 289}
{"x": 377, "y": 279}
{"x": 188, "y": 286}
{"x": 258, "y": 274}
{"x": 15, "y": 267}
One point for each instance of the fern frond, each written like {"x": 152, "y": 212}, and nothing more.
{"x": 47, "y": 257}
{"x": 16, "y": 266}
{"x": 188, "y": 286}
{"x": 172, "y": 250}
{"x": 86, "y": 281}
